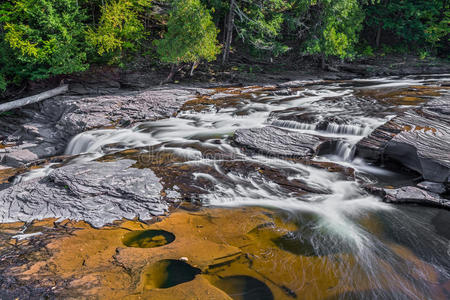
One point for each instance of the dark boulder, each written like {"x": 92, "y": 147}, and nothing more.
{"x": 419, "y": 139}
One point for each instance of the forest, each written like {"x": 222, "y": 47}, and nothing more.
{"x": 225, "y": 149}
{"x": 44, "y": 38}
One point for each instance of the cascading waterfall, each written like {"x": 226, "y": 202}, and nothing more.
{"x": 345, "y": 150}
{"x": 294, "y": 125}
{"x": 335, "y": 216}
{"x": 349, "y": 129}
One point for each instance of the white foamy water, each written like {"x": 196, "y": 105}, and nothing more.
{"x": 338, "y": 203}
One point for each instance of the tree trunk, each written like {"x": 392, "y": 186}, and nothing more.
{"x": 173, "y": 70}
{"x": 377, "y": 41}
{"x": 194, "y": 66}
{"x": 33, "y": 99}
{"x": 323, "y": 63}
{"x": 169, "y": 78}
{"x": 229, "y": 33}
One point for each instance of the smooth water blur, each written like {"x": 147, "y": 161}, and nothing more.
{"x": 397, "y": 250}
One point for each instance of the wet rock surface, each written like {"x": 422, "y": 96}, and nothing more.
{"x": 45, "y": 129}
{"x": 305, "y": 228}
{"x": 434, "y": 187}
{"x": 278, "y": 142}
{"x": 211, "y": 257}
{"x": 419, "y": 139}
{"x": 410, "y": 194}
{"x": 98, "y": 193}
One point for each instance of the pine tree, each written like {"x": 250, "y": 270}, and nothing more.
{"x": 191, "y": 36}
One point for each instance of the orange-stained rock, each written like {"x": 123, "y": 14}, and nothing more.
{"x": 219, "y": 250}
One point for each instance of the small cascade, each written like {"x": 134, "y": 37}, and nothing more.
{"x": 80, "y": 144}
{"x": 349, "y": 129}
{"x": 294, "y": 125}
{"x": 333, "y": 128}
{"x": 33, "y": 174}
{"x": 98, "y": 141}
{"x": 345, "y": 150}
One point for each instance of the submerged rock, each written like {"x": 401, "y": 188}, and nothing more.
{"x": 278, "y": 142}
{"x": 410, "y": 194}
{"x": 98, "y": 193}
{"x": 418, "y": 138}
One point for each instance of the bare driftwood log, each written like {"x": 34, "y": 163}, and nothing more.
{"x": 33, "y": 99}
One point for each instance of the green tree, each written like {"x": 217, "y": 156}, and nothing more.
{"x": 3, "y": 83}
{"x": 119, "y": 28}
{"x": 322, "y": 28}
{"x": 413, "y": 24}
{"x": 41, "y": 38}
{"x": 258, "y": 24}
{"x": 332, "y": 27}
{"x": 191, "y": 36}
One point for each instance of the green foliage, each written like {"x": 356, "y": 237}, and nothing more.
{"x": 46, "y": 34}
{"x": 43, "y": 38}
{"x": 3, "y": 83}
{"x": 119, "y": 28}
{"x": 414, "y": 24}
{"x": 191, "y": 35}
{"x": 368, "y": 51}
{"x": 260, "y": 24}
{"x": 423, "y": 54}
{"x": 334, "y": 26}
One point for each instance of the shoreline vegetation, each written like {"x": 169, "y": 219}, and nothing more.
{"x": 44, "y": 43}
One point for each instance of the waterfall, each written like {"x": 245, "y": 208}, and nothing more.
{"x": 294, "y": 125}
{"x": 345, "y": 150}
{"x": 350, "y": 129}
{"x": 341, "y": 216}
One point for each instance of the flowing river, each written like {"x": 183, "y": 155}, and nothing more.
{"x": 392, "y": 252}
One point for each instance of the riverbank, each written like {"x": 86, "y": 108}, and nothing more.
{"x": 39, "y": 134}
{"x": 239, "y": 72}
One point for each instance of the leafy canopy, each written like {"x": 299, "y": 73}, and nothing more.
{"x": 191, "y": 35}
{"x": 46, "y": 37}
{"x": 260, "y": 24}
{"x": 119, "y": 27}
{"x": 43, "y": 38}
{"x": 333, "y": 26}
{"x": 413, "y": 24}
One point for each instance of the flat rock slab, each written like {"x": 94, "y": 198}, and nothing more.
{"x": 418, "y": 138}
{"x": 98, "y": 193}
{"x": 278, "y": 142}
{"x": 410, "y": 194}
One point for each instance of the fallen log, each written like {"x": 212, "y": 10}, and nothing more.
{"x": 33, "y": 99}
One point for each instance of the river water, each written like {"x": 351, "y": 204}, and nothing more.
{"x": 403, "y": 251}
